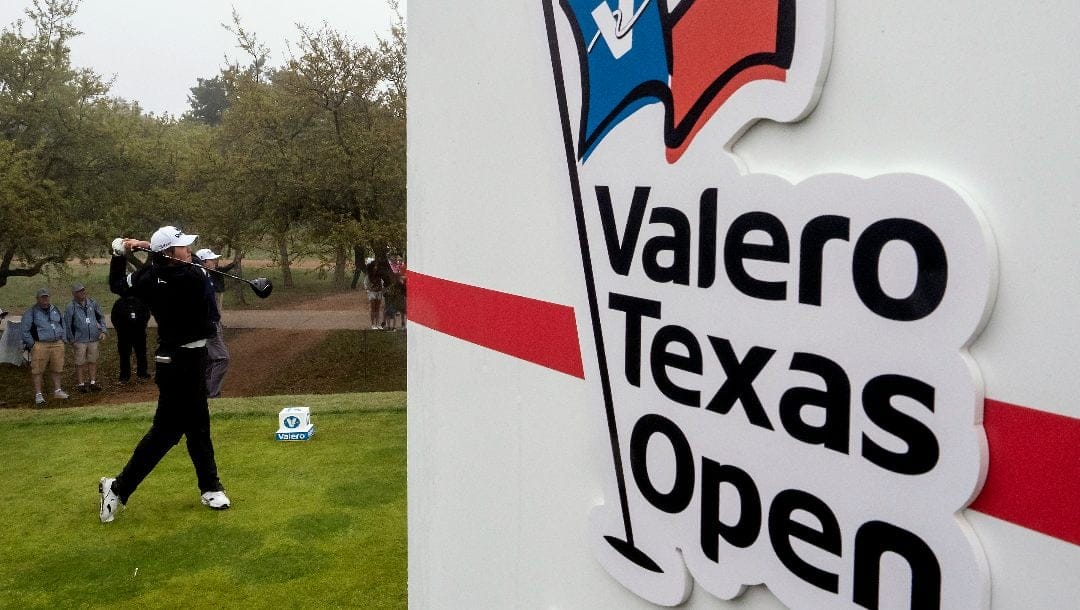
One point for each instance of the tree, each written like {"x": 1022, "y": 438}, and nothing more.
{"x": 393, "y": 55}
{"x": 48, "y": 114}
{"x": 359, "y": 139}
{"x": 267, "y": 160}
{"x": 308, "y": 156}
{"x": 208, "y": 101}
{"x": 24, "y": 214}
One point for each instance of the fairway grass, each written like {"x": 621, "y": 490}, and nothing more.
{"x": 320, "y": 523}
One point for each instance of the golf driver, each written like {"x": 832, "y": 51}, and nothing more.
{"x": 260, "y": 285}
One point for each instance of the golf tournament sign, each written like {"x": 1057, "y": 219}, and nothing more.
{"x": 782, "y": 368}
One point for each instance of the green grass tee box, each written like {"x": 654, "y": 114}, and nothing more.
{"x": 318, "y": 523}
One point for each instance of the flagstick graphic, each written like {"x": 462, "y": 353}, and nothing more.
{"x": 625, "y": 547}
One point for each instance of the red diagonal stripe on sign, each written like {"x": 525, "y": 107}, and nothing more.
{"x": 536, "y": 331}
{"x": 1034, "y": 473}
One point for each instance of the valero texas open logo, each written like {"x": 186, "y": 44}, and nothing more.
{"x": 781, "y": 370}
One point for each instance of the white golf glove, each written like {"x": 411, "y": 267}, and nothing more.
{"x": 118, "y": 246}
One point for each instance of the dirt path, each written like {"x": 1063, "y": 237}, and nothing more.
{"x": 335, "y": 311}
{"x": 331, "y": 312}
{"x": 261, "y": 342}
{"x": 255, "y": 356}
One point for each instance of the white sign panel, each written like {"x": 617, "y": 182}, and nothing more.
{"x": 782, "y": 368}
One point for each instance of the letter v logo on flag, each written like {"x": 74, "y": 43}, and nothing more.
{"x": 616, "y": 26}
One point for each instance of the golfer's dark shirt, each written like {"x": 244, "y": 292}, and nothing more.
{"x": 179, "y": 296}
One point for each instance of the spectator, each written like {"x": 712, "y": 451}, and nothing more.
{"x": 217, "y": 279}
{"x": 217, "y": 355}
{"x": 395, "y": 295}
{"x": 43, "y": 334}
{"x": 358, "y": 265}
{"x": 375, "y": 284}
{"x": 84, "y": 326}
{"x": 129, "y": 317}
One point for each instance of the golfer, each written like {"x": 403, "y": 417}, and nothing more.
{"x": 180, "y": 297}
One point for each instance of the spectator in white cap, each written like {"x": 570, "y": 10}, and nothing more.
{"x": 211, "y": 260}
{"x": 84, "y": 323}
{"x": 181, "y": 299}
{"x": 217, "y": 354}
{"x": 206, "y": 254}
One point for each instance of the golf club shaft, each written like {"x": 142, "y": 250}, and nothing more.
{"x": 151, "y": 253}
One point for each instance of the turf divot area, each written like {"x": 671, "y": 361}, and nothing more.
{"x": 318, "y": 523}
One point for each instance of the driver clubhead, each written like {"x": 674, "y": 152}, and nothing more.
{"x": 262, "y": 287}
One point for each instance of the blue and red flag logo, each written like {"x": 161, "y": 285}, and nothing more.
{"x": 691, "y": 59}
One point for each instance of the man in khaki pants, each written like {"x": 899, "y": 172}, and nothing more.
{"x": 43, "y": 334}
{"x": 84, "y": 325}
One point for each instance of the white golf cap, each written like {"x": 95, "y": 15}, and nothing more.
{"x": 207, "y": 254}
{"x": 168, "y": 237}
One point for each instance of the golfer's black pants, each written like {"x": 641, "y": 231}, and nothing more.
{"x": 128, "y": 339}
{"x": 182, "y": 410}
